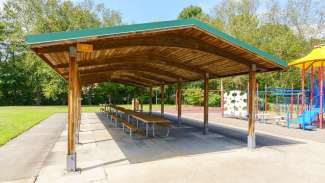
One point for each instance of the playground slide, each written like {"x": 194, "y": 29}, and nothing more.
{"x": 307, "y": 117}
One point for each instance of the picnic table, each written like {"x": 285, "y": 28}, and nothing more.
{"x": 150, "y": 119}
{"x": 145, "y": 118}
{"x": 264, "y": 117}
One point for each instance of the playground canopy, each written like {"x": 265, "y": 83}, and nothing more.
{"x": 147, "y": 55}
{"x": 316, "y": 57}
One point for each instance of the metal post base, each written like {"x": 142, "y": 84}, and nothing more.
{"x": 77, "y": 138}
{"x": 205, "y": 130}
{"x": 251, "y": 142}
{"x": 71, "y": 162}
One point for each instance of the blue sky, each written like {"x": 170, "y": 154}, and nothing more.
{"x": 138, "y": 11}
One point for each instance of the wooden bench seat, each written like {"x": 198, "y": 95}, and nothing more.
{"x": 116, "y": 119}
{"x": 166, "y": 125}
{"x": 108, "y": 113}
{"x": 129, "y": 126}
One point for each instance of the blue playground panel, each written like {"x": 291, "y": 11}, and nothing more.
{"x": 306, "y": 119}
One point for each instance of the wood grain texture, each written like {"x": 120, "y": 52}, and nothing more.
{"x": 154, "y": 57}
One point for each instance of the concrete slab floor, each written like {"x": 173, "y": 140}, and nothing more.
{"x": 21, "y": 158}
{"x": 106, "y": 154}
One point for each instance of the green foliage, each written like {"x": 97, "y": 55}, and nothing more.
{"x": 214, "y": 99}
{"x": 193, "y": 96}
{"x": 190, "y": 12}
{"x": 24, "y": 78}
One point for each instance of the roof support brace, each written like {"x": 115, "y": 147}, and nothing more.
{"x": 72, "y": 110}
{"x": 251, "y": 108}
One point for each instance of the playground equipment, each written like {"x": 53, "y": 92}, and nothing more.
{"x": 309, "y": 116}
{"x": 235, "y": 104}
{"x": 286, "y": 106}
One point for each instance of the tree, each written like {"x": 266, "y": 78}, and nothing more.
{"x": 24, "y": 74}
{"x": 190, "y": 12}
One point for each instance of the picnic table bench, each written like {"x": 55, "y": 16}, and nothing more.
{"x": 153, "y": 120}
{"x": 129, "y": 126}
{"x": 145, "y": 118}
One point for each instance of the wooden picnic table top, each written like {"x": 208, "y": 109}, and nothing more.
{"x": 146, "y": 118}
{"x": 149, "y": 118}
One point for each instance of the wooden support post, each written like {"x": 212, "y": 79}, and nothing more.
{"x": 179, "y": 102}
{"x": 251, "y": 108}
{"x": 206, "y": 103}
{"x": 162, "y": 100}
{"x": 72, "y": 104}
{"x": 222, "y": 100}
{"x": 265, "y": 99}
{"x": 78, "y": 108}
{"x": 257, "y": 98}
{"x": 150, "y": 100}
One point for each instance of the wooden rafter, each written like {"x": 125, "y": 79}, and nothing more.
{"x": 132, "y": 68}
{"x": 143, "y": 59}
{"x": 139, "y": 78}
{"x": 163, "y": 40}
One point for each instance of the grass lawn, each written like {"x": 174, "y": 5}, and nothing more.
{"x": 14, "y": 120}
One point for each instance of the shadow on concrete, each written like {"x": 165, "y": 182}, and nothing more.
{"x": 102, "y": 164}
{"x": 184, "y": 140}
{"x": 241, "y": 135}
{"x": 90, "y": 142}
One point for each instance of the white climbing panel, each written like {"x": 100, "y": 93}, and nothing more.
{"x": 235, "y": 104}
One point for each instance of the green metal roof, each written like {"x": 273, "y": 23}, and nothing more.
{"x": 108, "y": 31}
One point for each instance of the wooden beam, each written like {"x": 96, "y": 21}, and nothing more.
{"x": 131, "y": 81}
{"x": 222, "y": 99}
{"x": 162, "y": 100}
{"x": 161, "y": 78}
{"x": 162, "y": 40}
{"x": 140, "y": 59}
{"x": 206, "y": 103}
{"x": 72, "y": 104}
{"x": 139, "y": 78}
{"x": 251, "y": 108}
{"x": 150, "y": 100}
{"x": 144, "y": 74}
{"x": 78, "y": 110}
{"x": 88, "y": 82}
{"x": 134, "y": 79}
{"x": 179, "y": 102}
{"x": 131, "y": 67}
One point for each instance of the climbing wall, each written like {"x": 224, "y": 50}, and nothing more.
{"x": 235, "y": 104}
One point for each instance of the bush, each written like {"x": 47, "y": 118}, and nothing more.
{"x": 195, "y": 97}
{"x": 214, "y": 99}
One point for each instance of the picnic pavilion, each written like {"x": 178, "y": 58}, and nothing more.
{"x": 150, "y": 55}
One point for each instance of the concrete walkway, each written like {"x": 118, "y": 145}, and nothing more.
{"x": 317, "y": 135}
{"x": 21, "y": 158}
{"x": 106, "y": 154}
